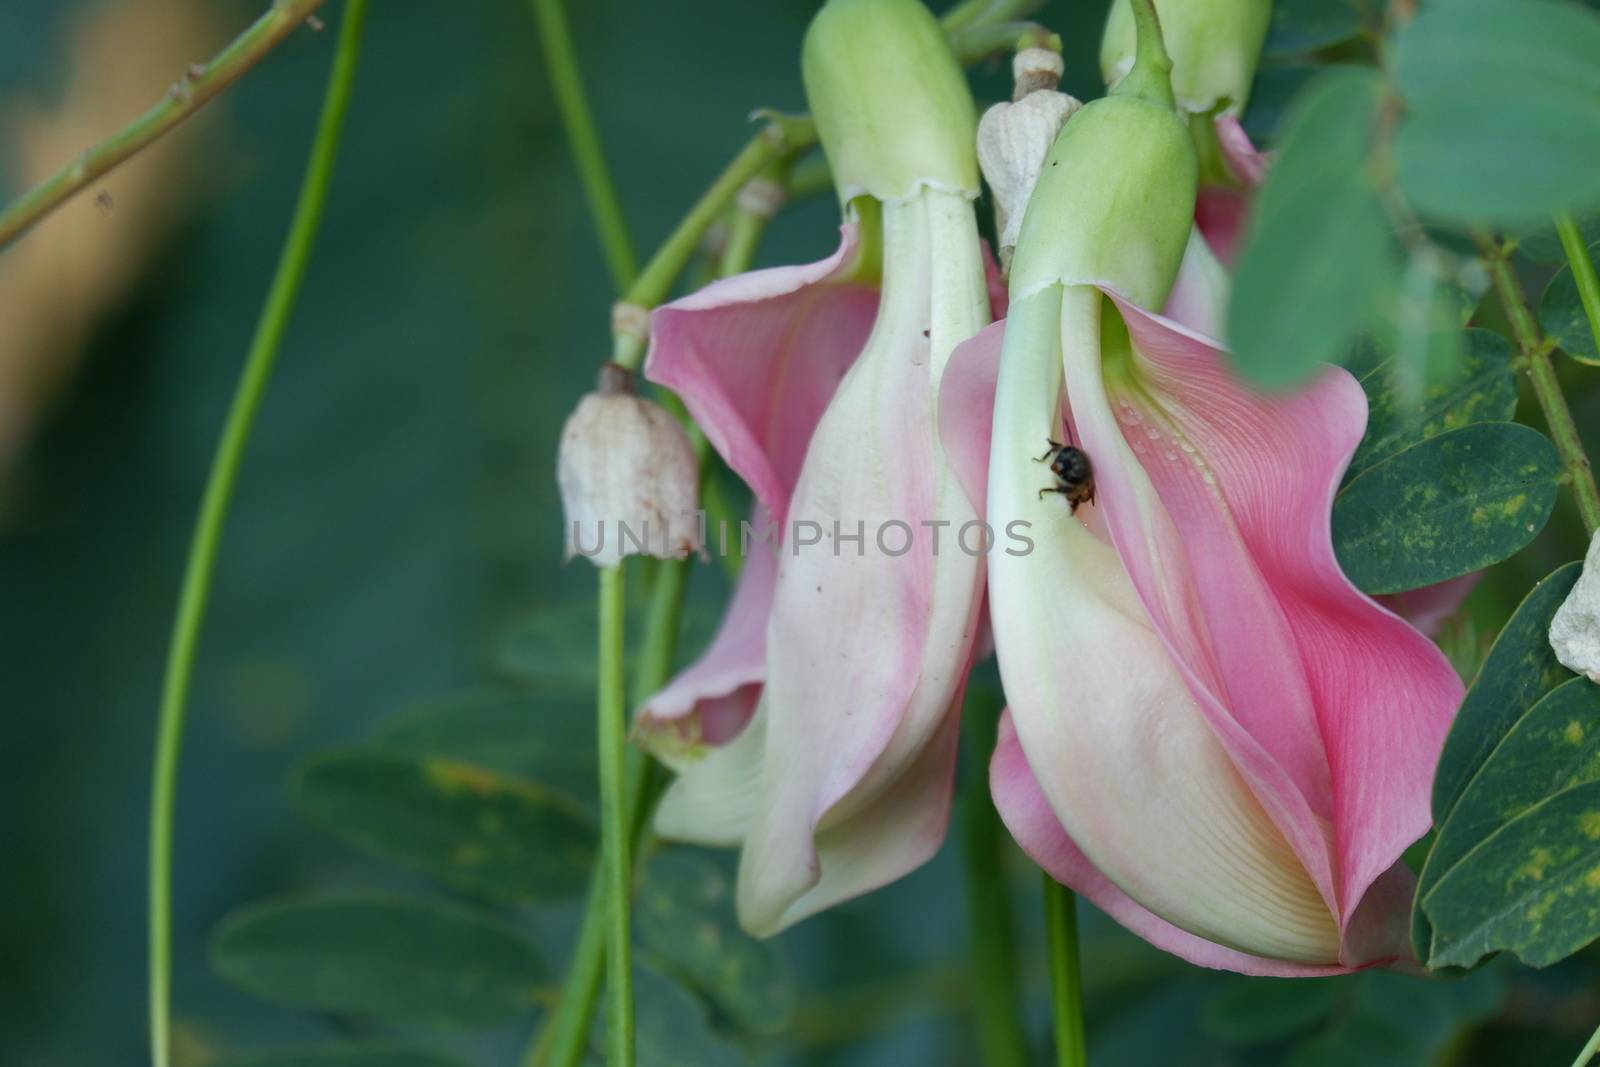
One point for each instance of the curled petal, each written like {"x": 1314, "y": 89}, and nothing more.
{"x": 1131, "y": 766}
{"x": 872, "y": 627}
{"x": 1220, "y": 211}
{"x": 1218, "y": 501}
{"x": 757, "y": 357}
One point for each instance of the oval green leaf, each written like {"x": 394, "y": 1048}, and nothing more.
{"x": 1517, "y": 673}
{"x": 469, "y": 827}
{"x": 1563, "y": 318}
{"x": 1482, "y": 388}
{"x": 687, "y": 925}
{"x": 1318, "y": 259}
{"x": 388, "y": 957}
{"x": 1501, "y": 119}
{"x": 1518, "y": 862}
{"x": 1300, "y": 26}
{"x": 531, "y": 737}
{"x": 1446, "y": 507}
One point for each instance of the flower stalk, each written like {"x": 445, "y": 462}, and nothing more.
{"x": 1534, "y": 348}
{"x": 1583, "y": 273}
{"x": 996, "y": 992}
{"x": 599, "y": 189}
{"x": 213, "y": 515}
{"x": 198, "y": 87}
{"x": 1066, "y": 979}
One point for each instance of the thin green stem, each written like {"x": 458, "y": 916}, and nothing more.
{"x": 1066, "y": 981}
{"x": 997, "y": 993}
{"x": 214, "y": 512}
{"x": 780, "y": 136}
{"x": 980, "y": 12}
{"x": 615, "y": 846}
{"x": 201, "y": 84}
{"x": 1582, "y": 268}
{"x": 598, "y": 187}
{"x": 1589, "y": 1050}
{"x": 1535, "y": 351}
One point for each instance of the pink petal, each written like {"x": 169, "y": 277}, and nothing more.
{"x": 1248, "y": 165}
{"x": 1220, "y": 213}
{"x": 756, "y": 358}
{"x": 1219, "y": 500}
{"x": 721, "y": 687}
{"x": 1130, "y": 764}
{"x": 1027, "y": 814}
{"x": 966, "y": 409}
{"x": 870, "y": 639}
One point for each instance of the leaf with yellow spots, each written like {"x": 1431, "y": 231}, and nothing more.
{"x": 687, "y": 926}
{"x": 1511, "y": 868}
{"x": 472, "y": 828}
{"x": 1451, "y": 505}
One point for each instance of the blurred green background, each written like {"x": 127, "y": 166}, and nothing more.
{"x": 397, "y": 516}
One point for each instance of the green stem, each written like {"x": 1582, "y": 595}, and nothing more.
{"x": 979, "y": 12}
{"x": 200, "y": 85}
{"x": 1582, "y": 272}
{"x": 1066, "y": 982}
{"x": 777, "y": 139}
{"x": 997, "y": 995}
{"x": 615, "y": 843}
{"x": 1535, "y": 351}
{"x": 604, "y": 206}
{"x": 1589, "y": 1050}
{"x": 214, "y": 512}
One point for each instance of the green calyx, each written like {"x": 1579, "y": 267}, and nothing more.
{"x": 890, "y": 100}
{"x": 1214, "y": 46}
{"x": 1114, "y": 204}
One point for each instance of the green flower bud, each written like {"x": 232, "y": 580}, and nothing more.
{"x": 1114, "y": 204}
{"x": 1214, "y": 44}
{"x": 890, "y": 100}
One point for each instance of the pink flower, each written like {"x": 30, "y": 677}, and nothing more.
{"x": 1199, "y": 297}
{"x": 1212, "y": 734}
{"x": 818, "y": 733}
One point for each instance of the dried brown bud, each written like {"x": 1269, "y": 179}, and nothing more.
{"x": 629, "y": 481}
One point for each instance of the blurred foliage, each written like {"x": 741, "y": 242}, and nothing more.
{"x": 394, "y": 539}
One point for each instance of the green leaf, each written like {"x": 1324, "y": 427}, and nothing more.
{"x": 687, "y": 925}
{"x": 471, "y": 828}
{"x": 390, "y": 957}
{"x": 1258, "y": 1010}
{"x": 1272, "y": 97}
{"x": 1305, "y": 25}
{"x": 1482, "y": 389}
{"x": 1554, "y": 747}
{"x": 1526, "y": 842}
{"x": 1501, "y": 119}
{"x": 1446, "y": 507}
{"x": 672, "y": 1028}
{"x": 1396, "y": 1021}
{"x": 526, "y": 736}
{"x": 1516, "y": 674}
{"x": 341, "y": 1056}
{"x": 1562, "y": 316}
{"x": 1520, "y": 669}
{"x": 1543, "y": 245}
{"x": 1318, "y": 259}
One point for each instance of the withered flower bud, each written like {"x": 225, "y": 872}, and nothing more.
{"x": 629, "y": 481}
{"x": 1014, "y": 138}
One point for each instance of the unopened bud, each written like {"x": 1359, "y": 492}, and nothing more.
{"x": 1013, "y": 140}
{"x": 628, "y": 477}
{"x": 1214, "y": 44}
{"x": 1575, "y": 630}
